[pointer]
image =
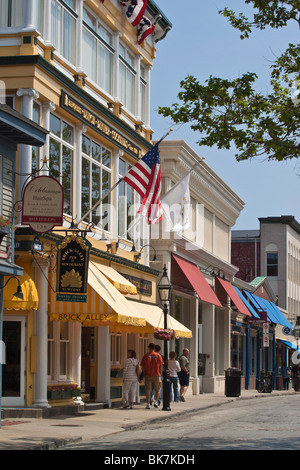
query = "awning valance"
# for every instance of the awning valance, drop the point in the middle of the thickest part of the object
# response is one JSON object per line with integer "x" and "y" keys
{"x": 105, "y": 304}
{"x": 119, "y": 281}
{"x": 154, "y": 316}
{"x": 235, "y": 298}
{"x": 188, "y": 275}
{"x": 30, "y": 295}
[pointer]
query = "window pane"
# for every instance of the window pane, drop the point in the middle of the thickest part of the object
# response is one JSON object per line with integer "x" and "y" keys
{"x": 67, "y": 133}
{"x": 54, "y": 125}
{"x": 95, "y": 192}
{"x": 67, "y": 177}
{"x": 86, "y": 144}
{"x": 56, "y": 25}
{"x": 89, "y": 47}
{"x": 85, "y": 190}
{"x": 54, "y": 157}
{"x": 272, "y": 264}
{"x": 96, "y": 151}
{"x": 106, "y": 158}
{"x": 104, "y": 68}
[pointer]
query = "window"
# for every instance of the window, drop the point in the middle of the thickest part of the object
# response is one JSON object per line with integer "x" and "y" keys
{"x": 96, "y": 182}
{"x": 125, "y": 203}
{"x": 58, "y": 347}
{"x": 39, "y": 16}
{"x": 97, "y": 57}
{"x": 11, "y": 13}
{"x": 61, "y": 157}
{"x": 143, "y": 86}
{"x": 127, "y": 79}
{"x": 272, "y": 264}
{"x": 116, "y": 350}
{"x": 63, "y": 28}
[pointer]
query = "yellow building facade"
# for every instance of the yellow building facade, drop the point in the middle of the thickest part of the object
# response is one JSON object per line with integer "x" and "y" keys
{"x": 81, "y": 71}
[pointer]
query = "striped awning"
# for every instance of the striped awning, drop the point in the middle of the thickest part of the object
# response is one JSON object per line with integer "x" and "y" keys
{"x": 30, "y": 295}
{"x": 119, "y": 281}
{"x": 105, "y": 304}
{"x": 154, "y": 317}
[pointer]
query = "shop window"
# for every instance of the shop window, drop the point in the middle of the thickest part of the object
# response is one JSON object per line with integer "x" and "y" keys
{"x": 143, "y": 345}
{"x": 116, "y": 350}
{"x": 237, "y": 351}
{"x": 11, "y": 13}
{"x": 272, "y": 264}
{"x": 97, "y": 57}
{"x": 127, "y": 76}
{"x": 96, "y": 182}
{"x": 63, "y": 350}
{"x": 63, "y": 28}
{"x": 126, "y": 209}
{"x": 61, "y": 153}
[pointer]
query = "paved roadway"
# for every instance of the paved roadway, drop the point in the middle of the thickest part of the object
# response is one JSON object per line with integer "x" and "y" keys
{"x": 265, "y": 424}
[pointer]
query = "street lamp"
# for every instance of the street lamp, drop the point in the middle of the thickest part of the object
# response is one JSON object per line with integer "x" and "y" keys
{"x": 164, "y": 291}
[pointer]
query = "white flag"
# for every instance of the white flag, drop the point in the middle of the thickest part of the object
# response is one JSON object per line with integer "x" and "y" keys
{"x": 176, "y": 204}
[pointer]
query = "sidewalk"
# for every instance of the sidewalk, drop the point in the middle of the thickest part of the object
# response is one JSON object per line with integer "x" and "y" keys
{"x": 56, "y": 432}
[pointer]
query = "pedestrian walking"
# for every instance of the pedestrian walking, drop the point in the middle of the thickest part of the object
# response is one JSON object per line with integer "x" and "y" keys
{"x": 174, "y": 368}
{"x": 286, "y": 375}
{"x": 130, "y": 379}
{"x": 184, "y": 374}
{"x": 152, "y": 363}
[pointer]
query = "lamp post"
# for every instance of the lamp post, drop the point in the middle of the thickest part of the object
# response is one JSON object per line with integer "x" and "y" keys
{"x": 164, "y": 291}
{"x": 19, "y": 295}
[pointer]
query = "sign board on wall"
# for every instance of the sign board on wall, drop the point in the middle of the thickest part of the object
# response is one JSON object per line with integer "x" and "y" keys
{"x": 42, "y": 204}
{"x": 72, "y": 269}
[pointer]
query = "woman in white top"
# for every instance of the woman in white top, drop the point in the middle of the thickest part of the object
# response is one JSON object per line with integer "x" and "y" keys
{"x": 173, "y": 367}
{"x": 130, "y": 380}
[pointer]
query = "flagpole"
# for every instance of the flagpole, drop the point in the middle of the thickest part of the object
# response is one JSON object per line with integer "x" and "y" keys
{"x": 114, "y": 186}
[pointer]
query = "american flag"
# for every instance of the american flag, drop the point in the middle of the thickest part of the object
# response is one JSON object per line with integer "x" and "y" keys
{"x": 145, "y": 178}
{"x": 134, "y": 10}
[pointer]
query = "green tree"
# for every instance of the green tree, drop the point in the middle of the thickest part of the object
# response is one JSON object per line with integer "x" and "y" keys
{"x": 227, "y": 112}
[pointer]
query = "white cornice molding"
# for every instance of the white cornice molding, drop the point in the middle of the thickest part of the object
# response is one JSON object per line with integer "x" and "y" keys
{"x": 177, "y": 157}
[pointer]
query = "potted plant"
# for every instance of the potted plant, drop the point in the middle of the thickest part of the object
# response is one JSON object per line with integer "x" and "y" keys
{"x": 5, "y": 226}
{"x": 165, "y": 334}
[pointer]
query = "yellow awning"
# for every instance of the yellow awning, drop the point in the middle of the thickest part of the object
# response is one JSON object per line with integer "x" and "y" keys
{"x": 119, "y": 281}
{"x": 30, "y": 295}
{"x": 154, "y": 317}
{"x": 105, "y": 305}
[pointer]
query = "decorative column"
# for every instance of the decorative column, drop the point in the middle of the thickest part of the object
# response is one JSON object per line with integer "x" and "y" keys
{"x": 40, "y": 385}
{"x": 75, "y": 327}
{"x": 28, "y": 14}
{"x": 194, "y": 346}
{"x": 27, "y": 96}
{"x": 208, "y": 318}
{"x": 103, "y": 365}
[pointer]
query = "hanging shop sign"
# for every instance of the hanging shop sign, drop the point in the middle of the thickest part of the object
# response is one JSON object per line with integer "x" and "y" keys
{"x": 88, "y": 117}
{"x": 42, "y": 204}
{"x": 72, "y": 269}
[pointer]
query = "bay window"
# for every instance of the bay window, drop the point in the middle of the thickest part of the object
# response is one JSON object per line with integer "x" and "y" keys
{"x": 96, "y": 182}
{"x": 97, "y": 57}
{"x": 127, "y": 75}
{"x": 11, "y": 13}
{"x": 61, "y": 153}
{"x": 63, "y": 28}
{"x": 125, "y": 203}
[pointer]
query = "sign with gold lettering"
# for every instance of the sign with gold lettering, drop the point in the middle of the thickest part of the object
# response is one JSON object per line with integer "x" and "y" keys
{"x": 72, "y": 268}
{"x": 42, "y": 204}
{"x": 94, "y": 121}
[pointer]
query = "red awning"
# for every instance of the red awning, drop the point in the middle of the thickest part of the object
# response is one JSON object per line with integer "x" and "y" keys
{"x": 193, "y": 279}
{"x": 234, "y": 296}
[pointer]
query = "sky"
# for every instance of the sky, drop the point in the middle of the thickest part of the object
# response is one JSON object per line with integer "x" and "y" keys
{"x": 203, "y": 43}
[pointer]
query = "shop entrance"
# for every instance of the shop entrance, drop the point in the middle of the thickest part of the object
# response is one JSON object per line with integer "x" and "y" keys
{"x": 13, "y": 369}
{"x": 88, "y": 366}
